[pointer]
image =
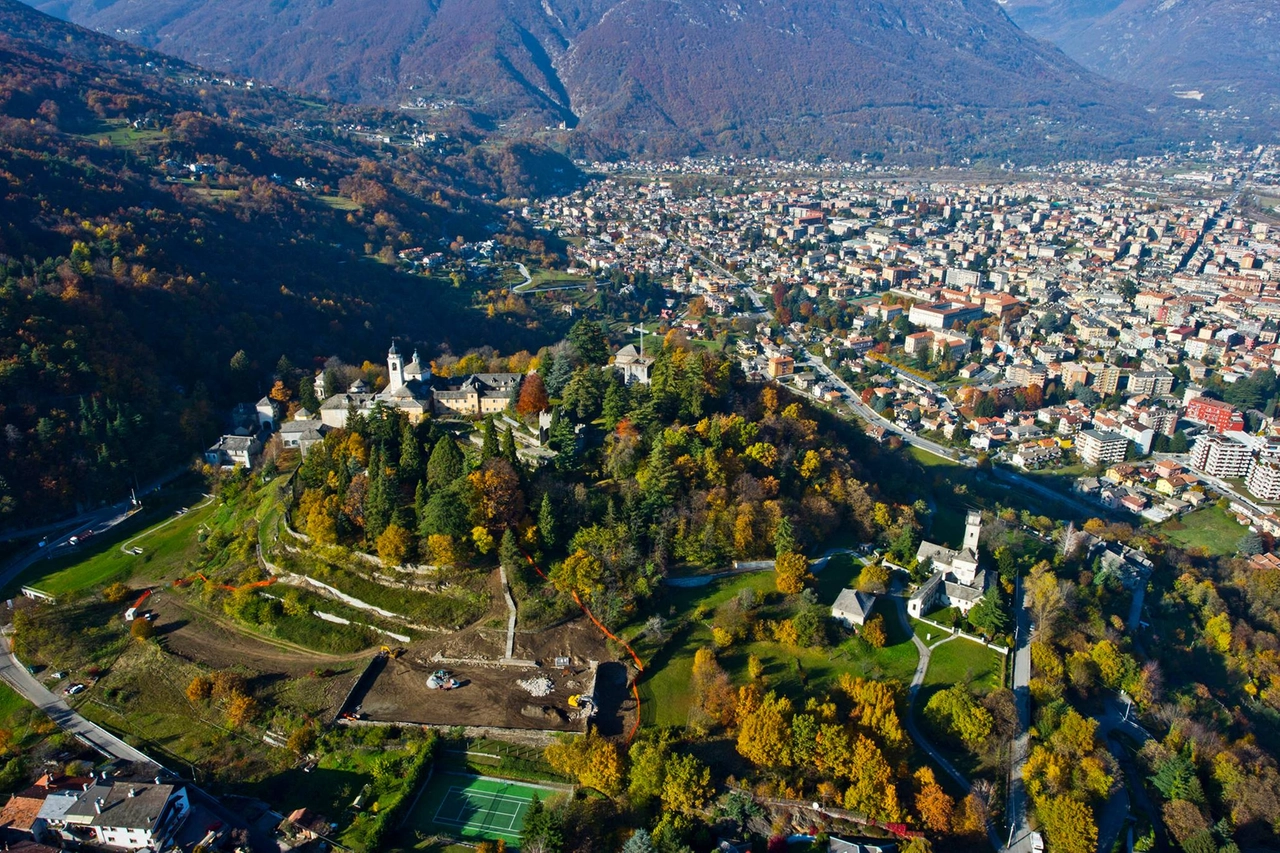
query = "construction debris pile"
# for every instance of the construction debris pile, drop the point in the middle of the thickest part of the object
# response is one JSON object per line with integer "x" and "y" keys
{"x": 540, "y": 686}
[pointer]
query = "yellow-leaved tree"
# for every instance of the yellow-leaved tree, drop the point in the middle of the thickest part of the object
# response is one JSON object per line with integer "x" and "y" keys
{"x": 764, "y": 736}
{"x": 592, "y": 760}
{"x": 792, "y": 572}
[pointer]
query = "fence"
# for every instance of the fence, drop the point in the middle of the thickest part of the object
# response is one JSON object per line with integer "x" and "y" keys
{"x": 973, "y": 638}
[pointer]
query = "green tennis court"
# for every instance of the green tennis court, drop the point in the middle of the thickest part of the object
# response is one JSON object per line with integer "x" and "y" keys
{"x": 475, "y": 807}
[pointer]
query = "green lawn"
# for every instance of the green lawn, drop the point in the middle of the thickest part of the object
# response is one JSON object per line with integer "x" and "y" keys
{"x": 21, "y": 718}
{"x": 121, "y": 134}
{"x": 338, "y": 202}
{"x": 1210, "y": 528}
{"x": 928, "y": 459}
{"x": 168, "y": 541}
{"x": 961, "y": 661}
{"x": 546, "y": 278}
{"x": 664, "y": 688}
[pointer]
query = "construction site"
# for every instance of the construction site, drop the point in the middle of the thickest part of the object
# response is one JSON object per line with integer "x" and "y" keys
{"x": 560, "y": 680}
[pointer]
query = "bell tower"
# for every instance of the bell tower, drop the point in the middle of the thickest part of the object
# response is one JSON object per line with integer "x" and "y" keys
{"x": 972, "y": 530}
{"x": 395, "y": 369}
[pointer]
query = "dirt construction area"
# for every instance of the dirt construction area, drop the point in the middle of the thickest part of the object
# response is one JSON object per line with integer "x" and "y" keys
{"x": 489, "y": 696}
{"x": 195, "y": 636}
{"x": 491, "y": 693}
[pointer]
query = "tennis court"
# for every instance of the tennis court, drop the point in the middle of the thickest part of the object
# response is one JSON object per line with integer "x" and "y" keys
{"x": 475, "y": 807}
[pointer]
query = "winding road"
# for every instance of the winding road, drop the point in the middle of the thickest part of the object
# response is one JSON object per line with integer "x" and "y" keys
{"x": 67, "y": 718}
{"x": 917, "y": 681}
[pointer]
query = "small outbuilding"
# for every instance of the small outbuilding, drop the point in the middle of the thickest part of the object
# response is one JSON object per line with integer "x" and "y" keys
{"x": 853, "y": 607}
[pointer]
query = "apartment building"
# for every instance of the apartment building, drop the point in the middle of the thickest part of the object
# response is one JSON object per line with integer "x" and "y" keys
{"x": 1100, "y": 447}
{"x": 1221, "y": 456}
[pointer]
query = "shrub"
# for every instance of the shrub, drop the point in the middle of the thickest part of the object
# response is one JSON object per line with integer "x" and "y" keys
{"x": 116, "y": 593}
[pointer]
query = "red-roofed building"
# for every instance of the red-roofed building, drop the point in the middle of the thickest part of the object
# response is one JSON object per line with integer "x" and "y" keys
{"x": 1221, "y": 416}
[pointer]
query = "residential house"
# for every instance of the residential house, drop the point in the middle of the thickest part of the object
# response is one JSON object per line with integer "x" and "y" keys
{"x": 232, "y": 451}
{"x": 127, "y": 815}
{"x": 302, "y": 434}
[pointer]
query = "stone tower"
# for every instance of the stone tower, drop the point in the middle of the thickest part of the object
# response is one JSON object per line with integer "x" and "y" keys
{"x": 972, "y": 530}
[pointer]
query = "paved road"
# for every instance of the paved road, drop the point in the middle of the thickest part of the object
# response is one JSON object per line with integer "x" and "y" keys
{"x": 1020, "y": 832}
{"x": 98, "y": 521}
{"x": 917, "y": 680}
{"x": 16, "y": 676}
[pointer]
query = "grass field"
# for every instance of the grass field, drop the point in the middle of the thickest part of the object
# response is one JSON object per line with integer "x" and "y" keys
{"x": 960, "y": 661}
{"x": 169, "y": 540}
{"x": 664, "y": 690}
{"x": 338, "y": 202}
{"x": 1210, "y": 528}
{"x": 121, "y": 134}
{"x": 930, "y": 460}
{"x": 474, "y": 808}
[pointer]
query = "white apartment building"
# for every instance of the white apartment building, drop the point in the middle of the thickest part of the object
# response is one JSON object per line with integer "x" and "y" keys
{"x": 1222, "y": 456}
{"x": 1100, "y": 447}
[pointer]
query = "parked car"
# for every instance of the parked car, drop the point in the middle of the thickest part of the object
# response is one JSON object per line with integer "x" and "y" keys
{"x": 74, "y": 689}
{"x": 58, "y": 675}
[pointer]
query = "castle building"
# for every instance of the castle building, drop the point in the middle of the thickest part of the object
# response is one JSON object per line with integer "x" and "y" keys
{"x": 957, "y": 580}
{"x": 412, "y": 389}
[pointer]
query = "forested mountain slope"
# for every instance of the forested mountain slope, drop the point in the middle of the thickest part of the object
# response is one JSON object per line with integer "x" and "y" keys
{"x": 919, "y": 79}
{"x": 1227, "y": 50}
{"x": 137, "y": 305}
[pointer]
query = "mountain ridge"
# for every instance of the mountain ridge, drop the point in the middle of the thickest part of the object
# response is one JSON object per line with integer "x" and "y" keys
{"x": 917, "y": 79}
{"x": 1227, "y": 50}
{"x": 157, "y": 255}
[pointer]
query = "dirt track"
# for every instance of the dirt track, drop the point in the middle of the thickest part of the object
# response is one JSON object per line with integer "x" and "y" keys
{"x": 193, "y": 635}
{"x": 197, "y": 636}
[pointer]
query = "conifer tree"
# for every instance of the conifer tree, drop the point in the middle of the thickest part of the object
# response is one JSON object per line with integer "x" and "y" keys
{"x": 547, "y": 524}
{"x": 509, "y": 448}
{"x": 489, "y": 447}
{"x": 445, "y": 465}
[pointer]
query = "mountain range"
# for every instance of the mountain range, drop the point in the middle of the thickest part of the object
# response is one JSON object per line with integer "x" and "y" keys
{"x": 910, "y": 79}
{"x": 1219, "y": 54}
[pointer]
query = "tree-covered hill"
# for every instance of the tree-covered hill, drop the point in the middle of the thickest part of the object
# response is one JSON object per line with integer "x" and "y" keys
{"x": 129, "y": 282}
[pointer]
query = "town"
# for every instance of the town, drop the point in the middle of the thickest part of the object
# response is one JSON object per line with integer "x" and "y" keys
{"x": 1104, "y": 322}
{"x": 938, "y": 453}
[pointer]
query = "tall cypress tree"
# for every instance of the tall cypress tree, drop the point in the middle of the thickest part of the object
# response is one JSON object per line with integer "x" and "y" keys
{"x": 509, "y": 448}
{"x": 379, "y": 503}
{"x": 489, "y": 448}
{"x": 410, "y": 455}
{"x": 445, "y": 465}
{"x": 547, "y": 524}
